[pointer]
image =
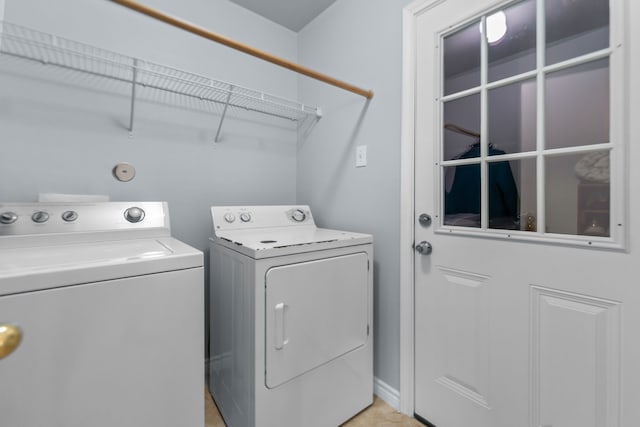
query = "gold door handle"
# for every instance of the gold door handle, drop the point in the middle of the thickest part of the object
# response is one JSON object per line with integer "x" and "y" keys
{"x": 10, "y": 337}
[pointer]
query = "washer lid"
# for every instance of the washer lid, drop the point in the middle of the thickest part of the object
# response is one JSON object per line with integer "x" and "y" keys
{"x": 278, "y": 241}
{"x": 43, "y": 267}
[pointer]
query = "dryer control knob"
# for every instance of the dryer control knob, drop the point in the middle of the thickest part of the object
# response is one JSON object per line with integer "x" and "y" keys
{"x": 8, "y": 217}
{"x": 134, "y": 214}
{"x": 298, "y": 215}
{"x": 40, "y": 217}
{"x": 229, "y": 217}
{"x": 245, "y": 217}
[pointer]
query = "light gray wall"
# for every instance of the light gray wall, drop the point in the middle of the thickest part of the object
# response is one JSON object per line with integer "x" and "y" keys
{"x": 359, "y": 41}
{"x": 63, "y": 132}
{"x": 59, "y": 136}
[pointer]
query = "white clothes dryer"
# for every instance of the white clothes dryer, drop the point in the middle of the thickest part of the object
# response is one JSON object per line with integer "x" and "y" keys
{"x": 291, "y": 318}
{"x": 101, "y": 317}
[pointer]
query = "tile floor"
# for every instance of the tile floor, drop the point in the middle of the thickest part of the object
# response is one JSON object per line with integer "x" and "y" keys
{"x": 377, "y": 415}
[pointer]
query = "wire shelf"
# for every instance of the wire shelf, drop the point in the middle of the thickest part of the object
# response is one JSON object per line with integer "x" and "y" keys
{"x": 29, "y": 44}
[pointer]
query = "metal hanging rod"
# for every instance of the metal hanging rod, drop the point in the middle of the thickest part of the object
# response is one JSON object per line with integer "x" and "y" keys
{"x": 242, "y": 47}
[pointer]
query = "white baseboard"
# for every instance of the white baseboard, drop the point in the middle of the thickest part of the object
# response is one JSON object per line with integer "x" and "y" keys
{"x": 384, "y": 391}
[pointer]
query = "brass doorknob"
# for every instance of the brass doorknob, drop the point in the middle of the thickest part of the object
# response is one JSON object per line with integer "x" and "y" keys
{"x": 10, "y": 337}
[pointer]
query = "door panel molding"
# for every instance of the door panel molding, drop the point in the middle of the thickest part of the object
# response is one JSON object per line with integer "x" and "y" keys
{"x": 465, "y": 370}
{"x": 463, "y": 390}
{"x": 575, "y": 359}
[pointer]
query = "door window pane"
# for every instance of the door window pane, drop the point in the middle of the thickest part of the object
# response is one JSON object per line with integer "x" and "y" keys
{"x": 462, "y": 195}
{"x": 577, "y": 194}
{"x": 577, "y": 105}
{"x": 515, "y": 52}
{"x": 512, "y": 195}
{"x": 461, "y": 51}
{"x": 572, "y": 113}
{"x": 574, "y": 28}
{"x": 512, "y": 117}
{"x": 461, "y": 127}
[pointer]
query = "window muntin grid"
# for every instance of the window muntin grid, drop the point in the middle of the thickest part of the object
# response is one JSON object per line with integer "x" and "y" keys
{"x": 532, "y": 143}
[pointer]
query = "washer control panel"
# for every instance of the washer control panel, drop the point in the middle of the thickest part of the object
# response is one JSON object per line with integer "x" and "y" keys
{"x": 246, "y": 217}
{"x": 50, "y": 218}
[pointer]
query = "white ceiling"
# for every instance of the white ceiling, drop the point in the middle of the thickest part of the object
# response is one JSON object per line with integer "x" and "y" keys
{"x": 293, "y": 14}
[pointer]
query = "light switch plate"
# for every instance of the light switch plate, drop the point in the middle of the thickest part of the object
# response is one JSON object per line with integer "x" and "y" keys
{"x": 361, "y": 156}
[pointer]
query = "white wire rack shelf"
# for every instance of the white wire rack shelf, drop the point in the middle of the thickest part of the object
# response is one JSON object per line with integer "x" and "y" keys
{"x": 25, "y": 43}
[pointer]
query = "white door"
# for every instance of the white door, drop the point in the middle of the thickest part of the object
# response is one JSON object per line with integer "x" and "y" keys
{"x": 527, "y": 307}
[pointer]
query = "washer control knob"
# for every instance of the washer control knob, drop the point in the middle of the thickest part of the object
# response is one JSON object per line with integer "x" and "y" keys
{"x": 298, "y": 215}
{"x": 134, "y": 214}
{"x": 40, "y": 217}
{"x": 69, "y": 216}
{"x": 245, "y": 217}
{"x": 229, "y": 217}
{"x": 8, "y": 217}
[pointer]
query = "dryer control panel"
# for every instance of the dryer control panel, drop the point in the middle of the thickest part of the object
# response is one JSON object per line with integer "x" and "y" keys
{"x": 249, "y": 217}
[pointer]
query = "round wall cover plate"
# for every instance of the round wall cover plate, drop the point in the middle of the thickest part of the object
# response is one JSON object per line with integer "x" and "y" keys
{"x": 124, "y": 172}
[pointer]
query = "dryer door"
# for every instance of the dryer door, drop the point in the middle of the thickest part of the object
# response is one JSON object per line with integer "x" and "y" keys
{"x": 315, "y": 312}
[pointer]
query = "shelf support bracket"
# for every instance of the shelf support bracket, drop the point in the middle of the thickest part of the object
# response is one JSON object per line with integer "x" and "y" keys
{"x": 224, "y": 113}
{"x": 134, "y": 83}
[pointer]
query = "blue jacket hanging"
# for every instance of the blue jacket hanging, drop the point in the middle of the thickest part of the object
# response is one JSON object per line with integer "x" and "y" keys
{"x": 464, "y": 196}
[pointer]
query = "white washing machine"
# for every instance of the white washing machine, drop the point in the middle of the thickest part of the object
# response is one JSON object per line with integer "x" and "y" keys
{"x": 101, "y": 317}
{"x": 291, "y": 319}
